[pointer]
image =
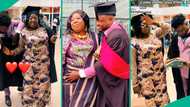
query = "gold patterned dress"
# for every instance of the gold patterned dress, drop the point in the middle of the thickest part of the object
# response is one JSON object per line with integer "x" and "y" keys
{"x": 36, "y": 80}
{"x": 151, "y": 73}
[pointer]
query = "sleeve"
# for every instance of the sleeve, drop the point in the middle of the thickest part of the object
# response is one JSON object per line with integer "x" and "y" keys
{"x": 162, "y": 30}
{"x": 173, "y": 51}
{"x": 21, "y": 45}
{"x": 119, "y": 44}
{"x": 20, "y": 27}
{"x": 65, "y": 45}
{"x": 19, "y": 24}
{"x": 135, "y": 82}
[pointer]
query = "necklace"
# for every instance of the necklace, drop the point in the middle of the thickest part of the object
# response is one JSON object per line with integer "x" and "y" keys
{"x": 82, "y": 36}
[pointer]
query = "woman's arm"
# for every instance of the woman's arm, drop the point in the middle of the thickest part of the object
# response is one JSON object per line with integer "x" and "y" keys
{"x": 134, "y": 71}
{"x": 21, "y": 46}
{"x": 162, "y": 29}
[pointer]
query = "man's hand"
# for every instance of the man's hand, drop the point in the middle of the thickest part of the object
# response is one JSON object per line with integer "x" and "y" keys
{"x": 8, "y": 52}
{"x": 72, "y": 76}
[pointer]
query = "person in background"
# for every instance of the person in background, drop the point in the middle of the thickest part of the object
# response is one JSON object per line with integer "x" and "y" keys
{"x": 9, "y": 41}
{"x": 180, "y": 48}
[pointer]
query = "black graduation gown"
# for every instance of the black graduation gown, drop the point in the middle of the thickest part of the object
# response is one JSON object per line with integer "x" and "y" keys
{"x": 7, "y": 79}
{"x": 51, "y": 48}
{"x": 113, "y": 91}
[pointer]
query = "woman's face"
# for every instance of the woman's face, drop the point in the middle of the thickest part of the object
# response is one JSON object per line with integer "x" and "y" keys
{"x": 145, "y": 27}
{"x": 33, "y": 21}
{"x": 77, "y": 23}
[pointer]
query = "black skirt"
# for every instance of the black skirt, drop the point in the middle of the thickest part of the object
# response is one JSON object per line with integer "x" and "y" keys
{"x": 7, "y": 79}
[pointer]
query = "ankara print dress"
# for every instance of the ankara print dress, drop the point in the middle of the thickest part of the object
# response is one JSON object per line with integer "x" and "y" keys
{"x": 77, "y": 54}
{"x": 36, "y": 80}
{"x": 151, "y": 73}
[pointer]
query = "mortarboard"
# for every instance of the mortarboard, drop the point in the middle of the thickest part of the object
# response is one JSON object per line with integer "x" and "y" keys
{"x": 29, "y": 10}
{"x": 105, "y": 8}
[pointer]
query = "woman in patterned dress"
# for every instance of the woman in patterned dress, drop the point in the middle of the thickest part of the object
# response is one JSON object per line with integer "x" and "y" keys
{"x": 36, "y": 81}
{"x": 78, "y": 47}
{"x": 149, "y": 73}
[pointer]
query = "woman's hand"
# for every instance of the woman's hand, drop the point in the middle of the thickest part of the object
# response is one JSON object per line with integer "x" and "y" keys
{"x": 148, "y": 20}
{"x": 72, "y": 76}
{"x": 53, "y": 39}
{"x": 8, "y": 52}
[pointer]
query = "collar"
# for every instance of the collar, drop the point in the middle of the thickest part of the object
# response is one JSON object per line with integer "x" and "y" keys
{"x": 113, "y": 26}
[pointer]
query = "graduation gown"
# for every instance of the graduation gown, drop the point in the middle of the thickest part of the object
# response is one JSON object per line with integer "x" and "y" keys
{"x": 113, "y": 91}
{"x": 8, "y": 79}
{"x": 51, "y": 48}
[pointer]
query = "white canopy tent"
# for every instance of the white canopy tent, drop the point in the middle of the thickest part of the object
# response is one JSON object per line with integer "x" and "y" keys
{"x": 161, "y": 11}
{"x": 41, "y": 3}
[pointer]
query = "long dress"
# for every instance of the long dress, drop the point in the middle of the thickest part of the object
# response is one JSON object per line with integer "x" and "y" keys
{"x": 76, "y": 55}
{"x": 36, "y": 80}
{"x": 151, "y": 73}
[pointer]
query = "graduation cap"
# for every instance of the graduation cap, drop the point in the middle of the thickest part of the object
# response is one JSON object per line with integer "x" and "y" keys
{"x": 105, "y": 8}
{"x": 31, "y": 10}
{"x": 28, "y": 11}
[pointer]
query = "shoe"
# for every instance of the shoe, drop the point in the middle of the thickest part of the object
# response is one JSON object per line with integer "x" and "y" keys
{"x": 8, "y": 101}
{"x": 20, "y": 88}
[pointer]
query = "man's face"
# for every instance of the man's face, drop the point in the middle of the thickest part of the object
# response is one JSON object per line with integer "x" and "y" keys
{"x": 181, "y": 30}
{"x": 104, "y": 22}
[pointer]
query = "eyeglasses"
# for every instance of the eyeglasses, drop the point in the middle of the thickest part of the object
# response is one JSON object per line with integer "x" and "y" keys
{"x": 143, "y": 25}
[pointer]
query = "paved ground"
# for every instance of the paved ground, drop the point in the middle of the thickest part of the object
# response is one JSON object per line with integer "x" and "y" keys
{"x": 56, "y": 87}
